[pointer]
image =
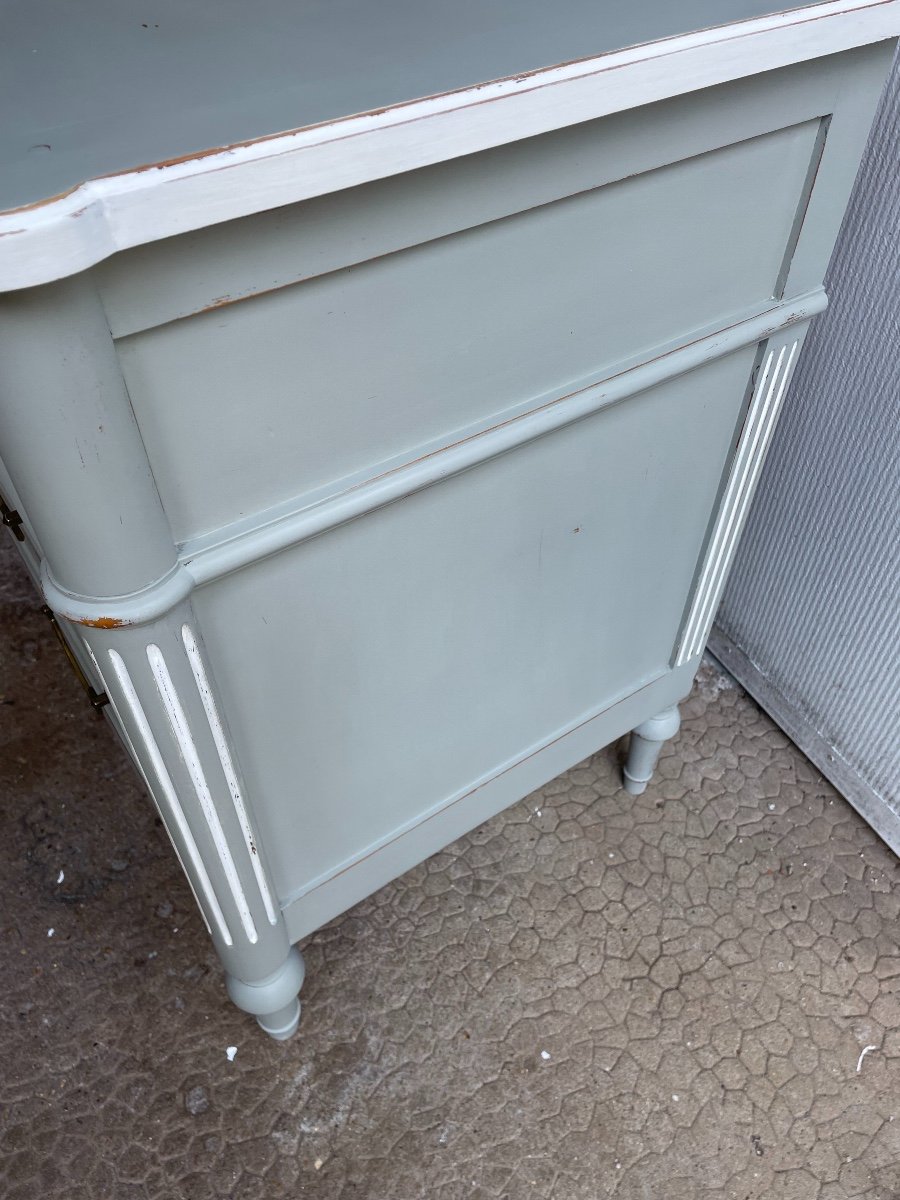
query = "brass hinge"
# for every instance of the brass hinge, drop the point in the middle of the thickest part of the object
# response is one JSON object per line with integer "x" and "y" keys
{"x": 97, "y": 699}
{"x": 11, "y": 519}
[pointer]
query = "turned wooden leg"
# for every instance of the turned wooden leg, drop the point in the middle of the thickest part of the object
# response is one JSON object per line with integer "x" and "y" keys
{"x": 646, "y": 744}
{"x": 273, "y": 1000}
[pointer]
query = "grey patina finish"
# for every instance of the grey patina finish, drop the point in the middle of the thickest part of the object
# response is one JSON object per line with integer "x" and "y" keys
{"x": 811, "y": 619}
{"x": 373, "y": 512}
{"x": 186, "y": 77}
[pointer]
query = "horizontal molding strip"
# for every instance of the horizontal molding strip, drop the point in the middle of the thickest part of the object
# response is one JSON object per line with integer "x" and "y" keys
{"x": 236, "y": 546}
{"x": 65, "y": 234}
{"x": 227, "y": 554}
{"x": 116, "y": 612}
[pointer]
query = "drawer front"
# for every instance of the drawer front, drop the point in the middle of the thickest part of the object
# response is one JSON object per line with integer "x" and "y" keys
{"x": 250, "y": 404}
{"x": 274, "y": 357}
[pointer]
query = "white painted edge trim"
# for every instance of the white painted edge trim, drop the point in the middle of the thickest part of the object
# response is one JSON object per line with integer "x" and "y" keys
{"x": 238, "y": 545}
{"x": 748, "y": 461}
{"x": 218, "y": 732}
{"x": 181, "y": 731}
{"x": 132, "y": 749}
{"x": 66, "y": 234}
{"x": 737, "y": 476}
{"x": 757, "y": 458}
{"x": 167, "y": 788}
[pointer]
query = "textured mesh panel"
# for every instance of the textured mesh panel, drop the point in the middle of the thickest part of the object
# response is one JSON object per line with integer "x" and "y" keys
{"x": 814, "y": 598}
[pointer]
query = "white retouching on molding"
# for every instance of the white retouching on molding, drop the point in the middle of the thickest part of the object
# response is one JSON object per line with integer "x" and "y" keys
{"x": 182, "y": 734}
{"x": 234, "y": 547}
{"x": 151, "y": 792}
{"x": 66, "y": 234}
{"x": 748, "y": 461}
{"x": 724, "y": 524}
{"x": 243, "y": 542}
{"x": 167, "y": 788}
{"x": 218, "y": 732}
{"x": 758, "y": 457}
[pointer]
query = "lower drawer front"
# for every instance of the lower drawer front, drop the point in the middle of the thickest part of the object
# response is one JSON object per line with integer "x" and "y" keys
{"x": 377, "y": 671}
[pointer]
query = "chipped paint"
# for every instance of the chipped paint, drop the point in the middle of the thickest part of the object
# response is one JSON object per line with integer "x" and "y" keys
{"x": 102, "y": 622}
{"x": 218, "y": 302}
{"x": 698, "y": 59}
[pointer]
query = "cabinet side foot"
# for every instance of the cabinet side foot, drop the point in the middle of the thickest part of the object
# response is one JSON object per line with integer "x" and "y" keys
{"x": 273, "y": 1000}
{"x": 646, "y": 744}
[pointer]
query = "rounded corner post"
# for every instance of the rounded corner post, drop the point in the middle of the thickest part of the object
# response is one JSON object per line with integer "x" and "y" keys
{"x": 77, "y": 460}
{"x": 72, "y": 445}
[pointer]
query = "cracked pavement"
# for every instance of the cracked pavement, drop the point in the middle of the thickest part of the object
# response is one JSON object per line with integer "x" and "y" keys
{"x": 591, "y": 995}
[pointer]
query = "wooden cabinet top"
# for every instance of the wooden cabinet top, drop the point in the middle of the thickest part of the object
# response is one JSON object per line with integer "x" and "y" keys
{"x": 126, "y": 122}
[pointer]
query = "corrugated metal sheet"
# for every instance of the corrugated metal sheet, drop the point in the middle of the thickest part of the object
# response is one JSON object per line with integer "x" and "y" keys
{"x": 810, "y": 621}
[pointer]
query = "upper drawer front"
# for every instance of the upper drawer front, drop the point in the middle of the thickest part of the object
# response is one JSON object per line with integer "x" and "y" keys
{"x": 413, "y": 312}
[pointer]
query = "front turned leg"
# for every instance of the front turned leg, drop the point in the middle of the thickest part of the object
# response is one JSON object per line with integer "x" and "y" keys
{"x": 273, "y": 1000}
{"x": 646, "y": 744}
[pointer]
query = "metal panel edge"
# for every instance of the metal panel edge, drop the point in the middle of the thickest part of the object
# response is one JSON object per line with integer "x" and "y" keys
{"x": 871, "y": 806}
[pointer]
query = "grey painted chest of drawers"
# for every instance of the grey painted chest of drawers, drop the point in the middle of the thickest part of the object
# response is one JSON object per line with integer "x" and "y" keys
{"x": 379, "y": 470}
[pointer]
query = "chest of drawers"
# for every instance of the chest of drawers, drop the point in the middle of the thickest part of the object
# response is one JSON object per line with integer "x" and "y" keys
{"x": 377, "y": 471}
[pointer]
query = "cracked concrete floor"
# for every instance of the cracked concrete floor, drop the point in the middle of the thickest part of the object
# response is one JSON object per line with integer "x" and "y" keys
{"x": 589, "y": 996}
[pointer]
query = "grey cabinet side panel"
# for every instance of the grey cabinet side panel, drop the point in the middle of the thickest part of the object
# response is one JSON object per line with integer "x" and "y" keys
{"x": 812, "y": 608}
